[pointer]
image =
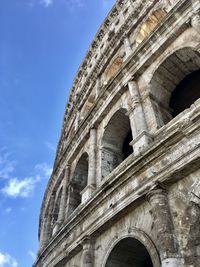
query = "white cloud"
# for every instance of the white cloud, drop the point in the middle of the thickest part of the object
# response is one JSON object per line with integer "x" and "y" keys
{"x": 20, "y": 188}
{"x": 24, "y": 188}
{"x": 6, "y": 165}
{"x": 46, "y": 3}
{"x": 15, "y": 186}
{"x": 44, "y": 169}
{"x": 6, "y": 260}
{"x": 32, "y": 254}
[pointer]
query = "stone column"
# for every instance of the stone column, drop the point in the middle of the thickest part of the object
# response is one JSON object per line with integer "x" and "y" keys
{"x": 62, "y": 210}
{"x": 87, "y": 192}
{"x": 46, "y": 225}
{"x": 164, "y": 228}
{"x": 98, "y": 87}
{"x": 88, "y": 253}
{"x": 141, "y": 137}
{"x": 77, "y": 120}
{"x": 195, "y": 22}
{"x": 127, "y": 47}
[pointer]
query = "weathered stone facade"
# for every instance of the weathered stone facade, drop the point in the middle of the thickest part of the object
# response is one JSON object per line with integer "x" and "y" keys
{"x": 125, "y": 189}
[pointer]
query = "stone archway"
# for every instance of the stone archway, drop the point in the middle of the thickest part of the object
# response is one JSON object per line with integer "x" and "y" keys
{"x": 170, "y": 85}
{"x": 116, "y": 142}
{"x": 186, "y": 93}
{"x": 129, "y": 252}
{"x": 78, "y": 183}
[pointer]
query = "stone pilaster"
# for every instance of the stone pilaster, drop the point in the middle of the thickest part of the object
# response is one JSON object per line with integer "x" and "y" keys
{"x": 195, "y": 22}
{"x": 127, "y": 47}
{"x": 46, "y": 224}
{"x": 62, "y": 211}
{"x": 87, "y": 192}
{"x": 191, "y": 222}
{"x": 87, "y": 253}
{"x": 77, "y": 120}
{"x": 164, "y": 228}
{"x": 98, "y": 87}
{"x": 141, "y": 137}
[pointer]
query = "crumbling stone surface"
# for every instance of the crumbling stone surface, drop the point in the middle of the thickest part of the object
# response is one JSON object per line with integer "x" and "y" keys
{"x": 125, "y": 188}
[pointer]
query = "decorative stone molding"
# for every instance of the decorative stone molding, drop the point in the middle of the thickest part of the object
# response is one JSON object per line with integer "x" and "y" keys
{"x": 137, "y": 234}
{"x": 195, "y": 22}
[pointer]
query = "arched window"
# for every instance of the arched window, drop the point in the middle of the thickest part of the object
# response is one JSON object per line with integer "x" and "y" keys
{"x": 56, "y": 210}
{"x": 116, "y": 142}
{"x": 129, "y": 252}
{"x": 78, "y": 183}
{"x": 186, "y": 93}
{"x": 175, "y": 84}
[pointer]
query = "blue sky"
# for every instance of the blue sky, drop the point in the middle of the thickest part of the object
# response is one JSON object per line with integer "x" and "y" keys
{"x": 42, "y": 43}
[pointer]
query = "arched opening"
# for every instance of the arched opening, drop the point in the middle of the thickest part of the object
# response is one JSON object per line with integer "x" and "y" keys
{"x": 186, "y": 93}
{"x": 175, "y": 84}
{"x": 129, "y": 252}
{"x": 78, "y": 182}
{"x": 116, "y": 142}
{"x": 56, "y": 208}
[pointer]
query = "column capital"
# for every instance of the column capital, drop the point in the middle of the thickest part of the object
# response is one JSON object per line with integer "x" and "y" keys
{"x": 157, "y": 192}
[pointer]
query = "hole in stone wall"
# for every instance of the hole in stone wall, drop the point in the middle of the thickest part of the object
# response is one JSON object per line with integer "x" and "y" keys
{"x": 129, "y": 252}
{"x": 186, "y": 93}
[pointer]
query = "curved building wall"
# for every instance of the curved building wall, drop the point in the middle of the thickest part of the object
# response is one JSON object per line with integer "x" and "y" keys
{"x": 126, "y": 174}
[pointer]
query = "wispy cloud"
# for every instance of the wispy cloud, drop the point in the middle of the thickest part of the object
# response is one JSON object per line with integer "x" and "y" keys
{"x": 49, "y": 3}
{"x": 72, "y": 3}
{"x": 32, "y": 254}
{"x": 50, "y": 146}
{"x": 44, "y": 169}
{"x": 7, "y": 261}
{"x": 6, "y": 164}
{"x": 21, "y": 187}
{"x": 46, "y": 3}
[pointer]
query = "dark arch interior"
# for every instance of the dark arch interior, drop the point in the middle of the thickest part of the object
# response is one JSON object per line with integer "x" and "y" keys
{"x": 79, "y": 182}
{"x": 129, "y": 252}
{"x": 57, "y": 207}
{"x": 186, "y": 93}
{"x": 127, "y": 149}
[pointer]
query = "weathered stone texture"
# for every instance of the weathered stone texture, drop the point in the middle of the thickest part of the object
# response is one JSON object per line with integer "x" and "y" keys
{"x": 125, "y": 189}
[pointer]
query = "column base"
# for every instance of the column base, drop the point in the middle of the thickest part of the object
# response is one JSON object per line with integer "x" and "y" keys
{"x": 141, "y": 142}
{"x": 87, "y": 193}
